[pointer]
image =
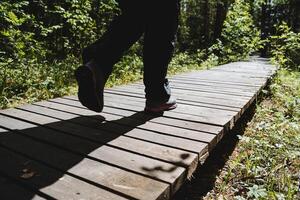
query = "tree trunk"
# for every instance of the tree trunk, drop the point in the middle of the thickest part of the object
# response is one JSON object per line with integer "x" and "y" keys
{"x": 263, "y": 27}
{"x": 221, "y": 11}
{"x": 218, "y": 21}
{"x": 206, "y": 26}
{"x": 296, "y": 20}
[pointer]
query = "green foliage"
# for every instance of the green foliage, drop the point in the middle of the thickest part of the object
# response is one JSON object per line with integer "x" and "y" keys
{"x": 28, "y": 81}
{"x": 240, "y": 37}
{"x": 285, "y": 47}
{"x": 183, "y": 62}
{"x": 15, "y": 43}
{"x": 40, "y": 42}
{"x": 129, "y": 69}
{"x": 265, "y": 163}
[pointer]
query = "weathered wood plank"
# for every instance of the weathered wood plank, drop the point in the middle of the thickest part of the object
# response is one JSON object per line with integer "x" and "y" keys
{"x": 124, "y": 153}
{"x": 204, "y": 133}
{"x": 214, "y": 81}
{"x": 133, "y": 161}
{"x": 238, "y": 110}
{"x": 200, "y": 114}
{"x": 90, "y": 120}
{"x": 10, "y": 190}
{"x": 220, "y": 90}
{"x": 185, "y": 99}
{"x": 182, "y": 92}
{"x": 119, "y": 141}
{"x": 52, "y": 183}
{"x": 235, "y": 102}
{"x": 110, "y": 96}
{"x": 75, "y": 129}
{"x": 215, "y": 84}
{"x": 94, "y": 172}
{"x": 212, "y": 116}
{"x": 167, "y": 120}
{"x": 238, "y": 102}
{"x": 224, "y": 76}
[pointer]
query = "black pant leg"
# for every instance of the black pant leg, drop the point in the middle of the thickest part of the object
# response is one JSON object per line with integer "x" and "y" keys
{"x": 123, "y": 31}
{"x": 160, "y": 33}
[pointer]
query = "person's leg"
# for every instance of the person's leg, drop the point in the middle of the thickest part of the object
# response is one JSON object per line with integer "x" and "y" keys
{"x": 160, "y": 33}
{"x": 122, "y": 33}
{"x": 99, "y": 58}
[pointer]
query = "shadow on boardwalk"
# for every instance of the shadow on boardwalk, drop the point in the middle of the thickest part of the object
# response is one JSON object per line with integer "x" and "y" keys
{"x": 38, "y": 156}
{"x": 205, "y": 176}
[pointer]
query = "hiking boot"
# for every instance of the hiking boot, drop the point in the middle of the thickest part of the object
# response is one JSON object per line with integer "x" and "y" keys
{"x": 90, "y": 87}
{"x": 158, "y": 107}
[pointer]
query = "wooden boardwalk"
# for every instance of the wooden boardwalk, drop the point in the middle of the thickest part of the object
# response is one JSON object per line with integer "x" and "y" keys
{"x": 57, "y": 149}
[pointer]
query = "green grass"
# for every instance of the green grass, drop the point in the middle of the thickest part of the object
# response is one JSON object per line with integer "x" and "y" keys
{"x": 27, "y": 81}
{"x": 266, "y": 161}
{"x": 30, "y": 81}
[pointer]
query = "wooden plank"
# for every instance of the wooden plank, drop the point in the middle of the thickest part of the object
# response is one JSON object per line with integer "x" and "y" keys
{"x": 94, "y": 172}
{"x": 219, "y": 90}
{"x": 248, "y": 67}
{"x": 172, "y": 121}
{"x": 51, "y": 182}
{"x": 192, "y": 96}
{"x": 10, "y": 190}
{"x": 187, "y": 96}
{"x": 212, "y": 116}
{"x": 90, "y": 121}
{"x": 202, "y": 114}
{"x": 248, "y": 71}
{"x": 185, "y": 99}
{"x": 228, "y": 77}
{"x": 135, "y": 162}
{"x": 239, "y": 106}
{"x": 204, "y": 133}
{"x": 237, "y": 71}
{"x": 234, "y": 69}
{"x": 214, "y": 81}
{"x": 236, "y": 103}
{"x": 144, "y": 156}
{"x": 214, "y": 87}
{"x": 223, "y": 75}
{"x": 215, "y": 84}
{"x": 88, "y": 142}
{"x": 183, "y": 92}
{"x": 207, "y": 83}
{"x": 75, "y": 129}
{"x": 110, "y": 96}
{"x": 203, "y": 137}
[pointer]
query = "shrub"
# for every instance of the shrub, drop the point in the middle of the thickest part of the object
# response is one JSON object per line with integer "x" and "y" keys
{"x": 240, "y": 37}
{"x": 285, "y": 47}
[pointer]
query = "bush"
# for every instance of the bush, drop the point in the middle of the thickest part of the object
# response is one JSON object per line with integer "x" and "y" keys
{"x": 29, "y": 80}
{"x": 240, "y": 37}
{"x": 285, "y": 47}
{"x": 40, "y": 42}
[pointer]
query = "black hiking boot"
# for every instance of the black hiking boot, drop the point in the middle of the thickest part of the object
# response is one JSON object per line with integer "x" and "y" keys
{"x": 90, "y": 88}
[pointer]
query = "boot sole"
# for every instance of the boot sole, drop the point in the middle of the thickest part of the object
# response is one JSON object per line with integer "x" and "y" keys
{"x": 86, "y": 90}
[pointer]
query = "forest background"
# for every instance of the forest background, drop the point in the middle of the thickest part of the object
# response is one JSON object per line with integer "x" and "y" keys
{"x": 41, "y": 40}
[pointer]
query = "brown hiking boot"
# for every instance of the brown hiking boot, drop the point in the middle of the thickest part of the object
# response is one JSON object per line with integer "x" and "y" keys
{"x": 158, "y": 107}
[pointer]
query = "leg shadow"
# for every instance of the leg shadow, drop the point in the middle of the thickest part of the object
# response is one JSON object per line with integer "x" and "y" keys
{"x": 35, "y": 156}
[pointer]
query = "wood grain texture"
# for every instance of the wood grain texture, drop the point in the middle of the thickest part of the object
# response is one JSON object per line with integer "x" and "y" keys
{"x": 59, "y": 149}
